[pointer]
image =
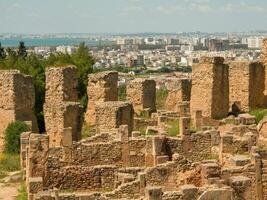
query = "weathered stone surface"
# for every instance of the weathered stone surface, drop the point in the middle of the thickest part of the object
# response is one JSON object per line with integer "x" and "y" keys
{"x": 246, "y": 82}
{"x": 17, "y": 100}
{"x": 101, "y": 87}
{"x": 210, "y": 88}
{"x": 61, "y": 108}
{"x": 142, "y": 94}
{"x": 179, "y": 90}
{"x": 110, "y": 115}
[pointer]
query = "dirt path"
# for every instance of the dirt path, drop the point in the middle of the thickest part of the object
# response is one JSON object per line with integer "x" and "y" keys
{"x": 9, "y": 191}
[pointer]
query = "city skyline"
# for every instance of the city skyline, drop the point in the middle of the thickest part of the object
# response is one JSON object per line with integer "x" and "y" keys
{"x": 131, "y": 16}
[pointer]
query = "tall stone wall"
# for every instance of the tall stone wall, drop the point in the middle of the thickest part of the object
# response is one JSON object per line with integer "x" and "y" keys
{"x": 210, "y": 87}
{"x": 101, "y": 87}
{"x": 264, "y": 62}
{"x": 246, "y": 86}
{"x": 179, "y": 90}
{"x": 110, "y": 115}
{"x": 142, "y": 94}
{"x": 62, "y": 110}
{"x": 17, "y": 100}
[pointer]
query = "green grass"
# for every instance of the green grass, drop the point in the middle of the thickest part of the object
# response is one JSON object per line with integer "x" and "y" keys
{"x": 161, "y": 97}
{"x": 122, "y": 93}
{"x": 22, "y": 192}
{"x": 259, "y": 114}
{"x": 174, "y": 128}
{"x": 9, "y": 162}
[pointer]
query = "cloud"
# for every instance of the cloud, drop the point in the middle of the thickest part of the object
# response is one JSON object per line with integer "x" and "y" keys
{"x": 243, "y": 7}
{"x": 169, "y": 9}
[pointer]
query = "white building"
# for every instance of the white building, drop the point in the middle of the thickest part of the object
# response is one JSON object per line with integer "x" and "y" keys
{"x": 66, "y": 49}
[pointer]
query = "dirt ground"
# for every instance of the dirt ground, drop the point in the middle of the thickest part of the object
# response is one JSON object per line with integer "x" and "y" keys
{"x": 8, "y": 191}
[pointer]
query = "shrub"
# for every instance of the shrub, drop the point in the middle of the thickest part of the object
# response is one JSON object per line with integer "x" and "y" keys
{"x": 122, "y": 93}
{"x": 12, "y": 136}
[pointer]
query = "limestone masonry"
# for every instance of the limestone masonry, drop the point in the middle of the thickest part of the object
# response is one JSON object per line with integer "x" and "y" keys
{"x": 203, "y": 145}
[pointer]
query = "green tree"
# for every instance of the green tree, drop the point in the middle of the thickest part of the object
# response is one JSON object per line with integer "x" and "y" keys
{"x": 84, "y": 63}
{"x": 12, "y": 136}
{"x": 2, "y": 52}
{"x": 22, "y": 51}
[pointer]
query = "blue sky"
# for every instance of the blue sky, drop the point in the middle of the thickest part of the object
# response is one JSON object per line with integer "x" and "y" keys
{"x": 127, "y": 16}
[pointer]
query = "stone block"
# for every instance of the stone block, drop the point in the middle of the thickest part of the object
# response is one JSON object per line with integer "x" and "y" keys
{"x": 153, "y": 193}
{"x": 35, "y": 185}
{"x": 110, "y": 115}
{"x": 247, "y": 119}
{"x": 240, "y": 160}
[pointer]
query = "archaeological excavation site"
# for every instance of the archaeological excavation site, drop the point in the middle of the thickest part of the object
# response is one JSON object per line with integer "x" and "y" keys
{"x": 203, "y": 143}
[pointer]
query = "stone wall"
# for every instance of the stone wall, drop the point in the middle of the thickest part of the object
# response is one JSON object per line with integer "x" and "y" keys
{"x": 16, "y": 101}
{"x": 210, "y": 87}
{"x": 110, "y": 115}
{"x": 246, "y": 86}
{"x": 179, "y": 90}
{"x": 101, "y": 87}
{"x": 142, "y": 94}
{"x": 61, "y": 109}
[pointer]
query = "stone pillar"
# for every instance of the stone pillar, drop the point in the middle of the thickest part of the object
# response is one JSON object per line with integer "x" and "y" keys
{"x": 184, "y": 126}
{"x": 179, "y": 91}
{"x": 24, "y": 144}
{"x": 124, "y": 137}
{"x": 210, "y": 88}
{"x": 153, "y": 193}
{"x": 62, "y": 109}
{"x": 101, "y": 87}
{"x": 209, "y": 172}
{"x": 154, "y": 148}
{"x": 142, "y": 94}
{"x": 17, "y": 100}
{"x": 110, "y": 115}
{"x": 256, "y": 160}
{"x": 197, "y": 120}
{"x": 37, "y": 156}
{"x": 246, "y": 86}
{"x": 183, "y": 109}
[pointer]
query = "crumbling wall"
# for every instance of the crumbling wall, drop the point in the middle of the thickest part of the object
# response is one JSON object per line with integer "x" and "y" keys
{"x": 110, "y": 115}
{"x": 179, "y": 90}
{"x": 142, "y": 94}
{"x": 61, "y": 109}
{"x": 246, "y": 86}
{"x": 101, "y": 87}
{"x": 16, "y": 101}
{"x": 210, "y": 88}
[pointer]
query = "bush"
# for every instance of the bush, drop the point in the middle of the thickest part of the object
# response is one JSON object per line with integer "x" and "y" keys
{"x": 12, "y": 136}
{"x": 122, "y": 93}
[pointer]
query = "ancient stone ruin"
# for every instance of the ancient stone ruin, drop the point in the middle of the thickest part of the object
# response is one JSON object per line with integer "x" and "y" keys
{"x": 17, "y": 98}
{"x": 62, "y": 111}
{"x": 142, "y": 94}
{"x": 102, "y": 87}
{"x": 211, "y": 154}
{"x": 246, "y": 86}
{"x": 210, "y": 87}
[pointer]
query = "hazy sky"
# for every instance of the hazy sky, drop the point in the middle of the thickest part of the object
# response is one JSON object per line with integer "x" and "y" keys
{"x": 125, "y": 16}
